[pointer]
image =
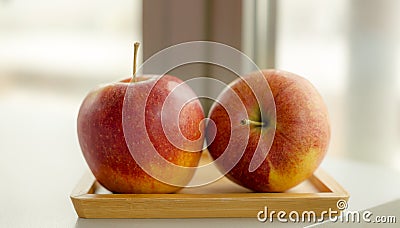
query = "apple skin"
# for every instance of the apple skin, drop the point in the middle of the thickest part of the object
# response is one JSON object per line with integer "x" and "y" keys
{"x": 301, "y": 138}
{"x": 102, "y": 139}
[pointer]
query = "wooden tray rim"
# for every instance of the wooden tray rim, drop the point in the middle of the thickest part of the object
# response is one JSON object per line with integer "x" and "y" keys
{"x": 83, "y": 194}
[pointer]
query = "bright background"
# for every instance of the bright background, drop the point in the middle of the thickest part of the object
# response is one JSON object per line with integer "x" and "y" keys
{"x": 53, "y": 52}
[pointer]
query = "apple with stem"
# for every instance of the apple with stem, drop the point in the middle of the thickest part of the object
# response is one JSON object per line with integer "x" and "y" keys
{"x": 300, "y": 131}
{"x": 106, "y": 148}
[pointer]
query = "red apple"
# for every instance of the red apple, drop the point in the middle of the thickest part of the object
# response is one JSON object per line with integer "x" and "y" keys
{"x": 301, "y": 137}
{"x": 104, "y": 144}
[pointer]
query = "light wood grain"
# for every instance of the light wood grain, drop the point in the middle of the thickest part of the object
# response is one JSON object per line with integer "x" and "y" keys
{"x": 220, "y": 199}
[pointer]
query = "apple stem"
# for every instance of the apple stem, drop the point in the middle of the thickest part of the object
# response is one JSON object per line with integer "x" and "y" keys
{"x": 136, "y": 47}
{"x": 251, "y": 122}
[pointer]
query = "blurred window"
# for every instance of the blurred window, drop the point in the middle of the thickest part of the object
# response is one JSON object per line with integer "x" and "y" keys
{"x": 68, "y": 39}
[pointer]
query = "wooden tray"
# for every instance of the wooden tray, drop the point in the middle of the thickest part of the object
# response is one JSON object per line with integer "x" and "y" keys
{"x": 219, "y": 199}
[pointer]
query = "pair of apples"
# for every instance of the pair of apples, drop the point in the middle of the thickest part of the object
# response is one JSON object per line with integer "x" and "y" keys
{"x": 301, "y": 133}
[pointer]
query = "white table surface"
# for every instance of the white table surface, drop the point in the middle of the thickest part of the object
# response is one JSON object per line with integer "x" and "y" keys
{"x": 41, "y": 163}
